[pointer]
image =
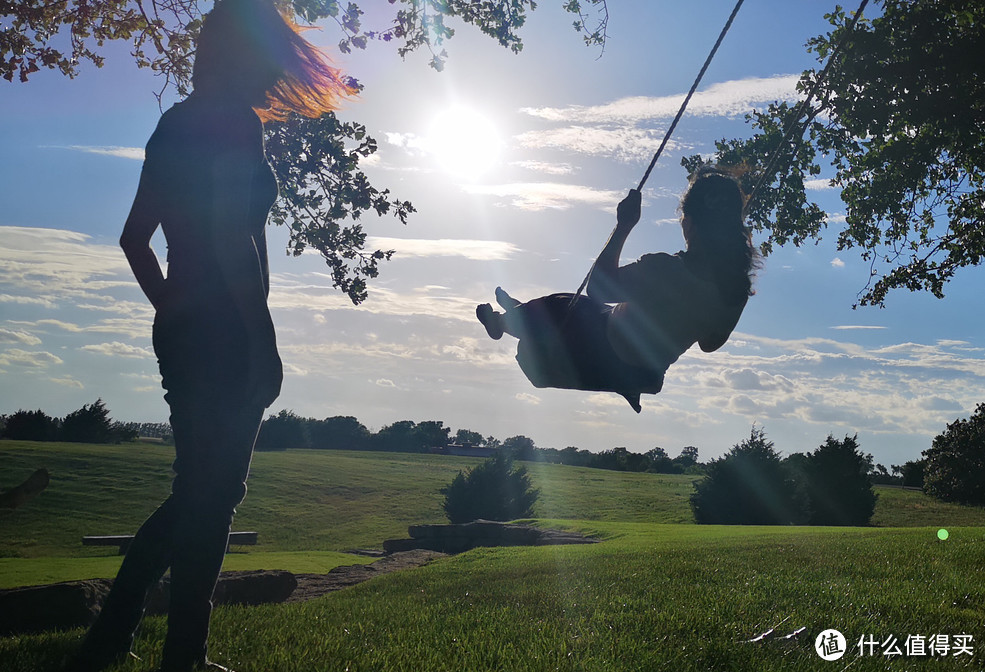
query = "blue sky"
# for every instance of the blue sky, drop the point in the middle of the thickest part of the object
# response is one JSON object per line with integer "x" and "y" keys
{"x": 564, "y": 134}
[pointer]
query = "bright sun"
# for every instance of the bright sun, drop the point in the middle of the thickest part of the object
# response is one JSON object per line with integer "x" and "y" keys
{"x": 464, "y": 142}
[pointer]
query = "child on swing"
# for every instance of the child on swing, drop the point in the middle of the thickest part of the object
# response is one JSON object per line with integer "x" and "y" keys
{"x": 639, "y": 319}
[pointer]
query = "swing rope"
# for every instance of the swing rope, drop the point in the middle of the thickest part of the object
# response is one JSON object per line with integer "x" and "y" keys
{"x": 794, "y": 120}
{"x": 673, "y": 125}
{"x": 687, "y": 99}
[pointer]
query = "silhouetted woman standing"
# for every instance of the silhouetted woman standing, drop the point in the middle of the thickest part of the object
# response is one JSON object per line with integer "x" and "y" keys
{"x": 206, "y": 183}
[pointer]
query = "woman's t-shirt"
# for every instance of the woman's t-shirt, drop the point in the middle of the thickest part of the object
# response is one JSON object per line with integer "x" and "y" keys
{"x": 666, "y": 309}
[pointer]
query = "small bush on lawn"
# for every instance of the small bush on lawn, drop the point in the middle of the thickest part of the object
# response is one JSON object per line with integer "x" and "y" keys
{"x": 493, "y": 490}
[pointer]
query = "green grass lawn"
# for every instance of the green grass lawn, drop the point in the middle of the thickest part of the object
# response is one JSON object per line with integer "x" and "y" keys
{"x": 651, "y": 597}
{"x": 654, "y": 595}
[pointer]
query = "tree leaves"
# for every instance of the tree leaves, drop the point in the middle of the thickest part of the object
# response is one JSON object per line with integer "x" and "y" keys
{"x": 900, "y": 121}
{"x": 318, "y": 161}
{"x": 323, "y": 193}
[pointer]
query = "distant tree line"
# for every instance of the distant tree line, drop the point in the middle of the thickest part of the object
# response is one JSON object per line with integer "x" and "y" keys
{"x": 89, "y": 424}
{"x": 800, "y": 485}
{"x": 287, "y": 430}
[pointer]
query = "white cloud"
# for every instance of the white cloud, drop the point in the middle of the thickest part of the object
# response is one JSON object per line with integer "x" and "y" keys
{"x": 528, "y": 398}
{"x": 631, "y": 129}
{"x": 543, "y": 195}
{"x": 545, "y": 167}
{"x": 950, "y": 343}
{"x": 22, "y": 337}
{"x": 818, "y": 185}
{"x": 477, "y": 250}
{"x": 724, "y": 99}
{"x": 68, "y": 381}
{"x": 837, "y": 263}
{"x": 18, "y": 357}
{"x": 117, "y": 349}
{"x": 413, "y": 144}
{"x": 911, "y": 389}
{"x": 133, "y": 153}
{"x": 623, "y": 143}
{"x": 382, "y": 301}
{"x": 43, "y": 266}
{"x": 27, "y": 300}
{"x": 132, "y": 327}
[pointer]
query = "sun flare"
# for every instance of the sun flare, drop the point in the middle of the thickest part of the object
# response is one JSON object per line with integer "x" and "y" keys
{"x": 465, "y": 143}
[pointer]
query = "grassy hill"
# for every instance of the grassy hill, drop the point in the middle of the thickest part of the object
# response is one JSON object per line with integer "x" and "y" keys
{"x": 297, "y": 500}
{"x": 339, "y": 500}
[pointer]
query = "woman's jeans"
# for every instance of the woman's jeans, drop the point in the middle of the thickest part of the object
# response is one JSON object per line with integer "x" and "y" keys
{"x": 204, "y": 367}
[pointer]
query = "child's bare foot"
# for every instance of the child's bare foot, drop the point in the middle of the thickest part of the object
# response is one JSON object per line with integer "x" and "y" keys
{"x": 505, "y": 300}
{"x": 491, "y": 320}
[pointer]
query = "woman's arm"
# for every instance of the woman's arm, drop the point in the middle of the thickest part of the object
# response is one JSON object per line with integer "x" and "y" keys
{"x": 604, "y": 283}
{"x": 141, "y": 223}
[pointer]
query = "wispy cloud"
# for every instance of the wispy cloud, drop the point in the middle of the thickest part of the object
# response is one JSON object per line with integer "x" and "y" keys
{"x": 56, "y": 263}
{"x": 849, "y": 327}
{"x": 724, "y": 99}
{"x": 546, "y": 167}
{"x": 117, "y": 349}
{"x": 630, "y": 129}
{"x": 548, "y": 195}
{"x": 68, "y": 381}
{"x": 18, "y": 357}
{"x": 431, "y": 301}
{"x": 133, "y": 153}
{"x": 903, "y": 388}
{"x": 818, "y": 185}
{"x": 623, "y": 143}
{"x": 477, "y": 250}
{"x": 413, "y": 144}
{"x": 22, "y": 337}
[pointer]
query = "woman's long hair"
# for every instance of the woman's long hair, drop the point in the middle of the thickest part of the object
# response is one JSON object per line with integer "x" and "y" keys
{"x": 251, "y": 50}
{"x": 719, "y": 240}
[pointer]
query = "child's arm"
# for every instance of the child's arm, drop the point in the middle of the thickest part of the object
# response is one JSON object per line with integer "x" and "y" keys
{"x": 604, "y": 284}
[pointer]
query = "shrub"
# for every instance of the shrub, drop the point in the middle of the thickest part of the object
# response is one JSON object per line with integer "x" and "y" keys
{"x": 31, "y": 426}
{"x": 282, "y": 431}
{"x": 955, "y": 463}
{"x": 493, "y": 490}
{"x": 89, "y": 424}
{"x": 838, "y": 484}
{"x": 340, "y": 432}
{"x": 912, "y": 472}
{"x": 748, "y": 486}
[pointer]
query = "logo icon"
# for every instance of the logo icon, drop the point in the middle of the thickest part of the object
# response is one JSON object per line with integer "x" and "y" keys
{"x": 830, "y": 645}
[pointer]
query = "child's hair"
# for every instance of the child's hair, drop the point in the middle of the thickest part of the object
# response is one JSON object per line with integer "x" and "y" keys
{"x": 250, "y": 48}
{"x": 719, "y": 238}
